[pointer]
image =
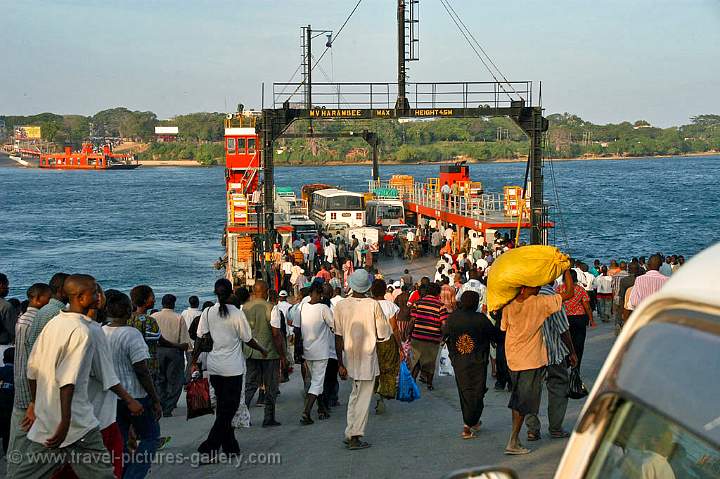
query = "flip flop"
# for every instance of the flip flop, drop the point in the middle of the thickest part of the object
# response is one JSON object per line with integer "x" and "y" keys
{"x": 559, "y": 434}
{"x": 468, "y": 435}
{"x": 517, "y": 451}
{"x": 531, "y": 436}
{"x": 306, "y": 421}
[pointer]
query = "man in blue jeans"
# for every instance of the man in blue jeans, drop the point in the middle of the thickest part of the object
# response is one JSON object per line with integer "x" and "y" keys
{"x": 129, "y": 354}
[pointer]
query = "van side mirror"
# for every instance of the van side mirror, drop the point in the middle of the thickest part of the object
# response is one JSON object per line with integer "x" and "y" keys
{"x": 483, "y": 472}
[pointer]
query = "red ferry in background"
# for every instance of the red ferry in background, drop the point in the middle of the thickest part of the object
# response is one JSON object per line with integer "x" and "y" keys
{"x": 88, "y": 159}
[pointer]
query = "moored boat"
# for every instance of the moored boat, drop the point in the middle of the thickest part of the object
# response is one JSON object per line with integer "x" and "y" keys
{"x": 88, "y": 159}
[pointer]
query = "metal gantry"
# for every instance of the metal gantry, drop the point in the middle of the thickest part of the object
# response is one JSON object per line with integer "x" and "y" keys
{"x": 392, "y": 101}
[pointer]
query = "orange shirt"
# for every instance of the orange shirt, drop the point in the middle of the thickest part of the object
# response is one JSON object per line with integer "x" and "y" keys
{"x": 522, "y": 322}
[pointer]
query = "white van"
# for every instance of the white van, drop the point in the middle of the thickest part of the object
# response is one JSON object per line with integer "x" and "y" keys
{"x": 654, "y": 410}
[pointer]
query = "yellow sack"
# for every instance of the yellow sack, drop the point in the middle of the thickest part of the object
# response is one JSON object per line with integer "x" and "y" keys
{"x": 534, "y": 265}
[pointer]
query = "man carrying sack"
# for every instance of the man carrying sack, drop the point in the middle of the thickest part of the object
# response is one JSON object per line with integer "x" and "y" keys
{"x": 520, "y": 273}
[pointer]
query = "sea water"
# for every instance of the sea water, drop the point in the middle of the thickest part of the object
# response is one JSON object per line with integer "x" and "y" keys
{"x": 162, "y": 226}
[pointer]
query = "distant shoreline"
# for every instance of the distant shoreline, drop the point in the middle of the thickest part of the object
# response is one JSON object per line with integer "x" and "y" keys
{"x": 6, "y": 162}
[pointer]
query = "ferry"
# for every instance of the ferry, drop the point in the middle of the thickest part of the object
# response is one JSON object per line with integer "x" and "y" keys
{"x": 88, "y": 159}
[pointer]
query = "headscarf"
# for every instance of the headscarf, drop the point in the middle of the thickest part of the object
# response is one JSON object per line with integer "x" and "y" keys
{"x": 447, "y": 296}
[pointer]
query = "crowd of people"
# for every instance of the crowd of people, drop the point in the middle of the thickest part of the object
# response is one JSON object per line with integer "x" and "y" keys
{"x": 87, "y": 370}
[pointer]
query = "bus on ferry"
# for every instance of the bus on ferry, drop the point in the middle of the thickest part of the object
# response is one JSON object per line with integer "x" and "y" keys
{"x": 334, "y": 209}
{"x": 384, "y": 212}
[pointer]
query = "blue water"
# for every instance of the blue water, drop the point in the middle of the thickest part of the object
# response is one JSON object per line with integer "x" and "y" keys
{"x": 162, "y": 226}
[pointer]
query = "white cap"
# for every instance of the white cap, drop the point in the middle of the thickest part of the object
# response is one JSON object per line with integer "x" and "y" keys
{"x": 283, "y": 294}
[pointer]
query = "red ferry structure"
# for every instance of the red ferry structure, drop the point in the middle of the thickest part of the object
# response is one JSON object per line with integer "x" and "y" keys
{"x": 466, "y": 206}
{"x": 88, "y": 159}
{"x": 244, "y": 199}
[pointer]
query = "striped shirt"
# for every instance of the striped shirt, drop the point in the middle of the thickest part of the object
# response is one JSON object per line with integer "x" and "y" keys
{"x": 553, "y": 327}
{"x": 427, "y": 317}
{"x": 616, "y": 285}
{"x": 646, "y": 285}
{"x": 127, "y": 348}
{"x": 22, "y": 352}
{"x": 44, "y": 315}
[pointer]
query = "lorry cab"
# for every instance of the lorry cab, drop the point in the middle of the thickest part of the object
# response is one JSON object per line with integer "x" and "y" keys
{"x": 654, "y": 410}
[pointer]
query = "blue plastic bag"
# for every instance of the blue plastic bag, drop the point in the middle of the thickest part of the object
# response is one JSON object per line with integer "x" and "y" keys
{"x": 408, "y": 390}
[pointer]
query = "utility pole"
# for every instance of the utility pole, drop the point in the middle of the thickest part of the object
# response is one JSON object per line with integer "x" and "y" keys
{"x": 407, "y": 48}
{"x": 308, "y": 67}
{"x": 402, "y": 103}
{"x": 537, "y": 126}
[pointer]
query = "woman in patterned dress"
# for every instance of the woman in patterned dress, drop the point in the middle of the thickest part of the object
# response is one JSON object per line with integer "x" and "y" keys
{"x": 468, "y": 335}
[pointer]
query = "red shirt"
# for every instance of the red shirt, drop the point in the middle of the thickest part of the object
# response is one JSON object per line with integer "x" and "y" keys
{"x": 324, "y": 275}
{"x": 414, "y": 296}
{"x": 574, "y": 305}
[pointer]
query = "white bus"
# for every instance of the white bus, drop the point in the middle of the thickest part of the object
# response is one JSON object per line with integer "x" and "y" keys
{"x": 337, "y": 209}
{"x": 384, "y": 212}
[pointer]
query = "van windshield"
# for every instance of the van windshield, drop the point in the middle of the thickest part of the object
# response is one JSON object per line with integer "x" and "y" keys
{"x": 390, "y": 212}
{"x": 640, "y": 443}
{"x": 347, "y": 203}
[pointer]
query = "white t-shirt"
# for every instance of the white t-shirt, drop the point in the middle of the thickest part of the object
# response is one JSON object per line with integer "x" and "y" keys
{"x": 61, "y": 356}
{"x": 316, "y": 323}
{"x": 410, "y": 235}
{"x": 445, "y": 189}
{"x": 361, "y": 322}
{"x": 287, "y": 267}
{"x": 334, "y": 301}
{"x": 449, "y": 234}
{"x": 473, "y": 285}
{"x": 275, "y": 318}
{"x": 389, "y": 309}
{"x": 127, "y": 347}
{"x": 228, "y": 333}
{"x": 102, "y": 378}
{"x": 189, "y": 314}
{"x": 330, "y": 252}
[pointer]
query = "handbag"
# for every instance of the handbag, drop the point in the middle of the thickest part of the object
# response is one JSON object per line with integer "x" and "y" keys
{"x": 408, "y": 390}
{"x": 577, "y": 389}
{"x": 198, "y": 398}
{"x": 204, "y": 343}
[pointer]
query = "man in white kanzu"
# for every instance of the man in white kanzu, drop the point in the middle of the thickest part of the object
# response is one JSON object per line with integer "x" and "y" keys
{"x": 62, "y": 422}
{"x": 359, "y": 324}
{"x": 316, "y": 325}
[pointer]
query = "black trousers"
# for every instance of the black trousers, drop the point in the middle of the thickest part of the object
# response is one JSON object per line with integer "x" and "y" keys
{"x": 470, "y": 376}
{"x": 578, "y": 331}
{"x": 502, "y": 371}
{"x": 330, "y": 384}
{"x": 222, "y": 435}
{"x": 267, "y": 373}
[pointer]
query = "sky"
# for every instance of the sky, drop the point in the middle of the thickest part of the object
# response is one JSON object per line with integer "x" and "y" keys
{"x": 606, "y": 61}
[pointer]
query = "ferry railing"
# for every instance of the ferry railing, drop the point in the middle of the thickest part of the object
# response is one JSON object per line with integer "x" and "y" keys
{"x": 480, "y": 207}
{"x": 419, "y": 95}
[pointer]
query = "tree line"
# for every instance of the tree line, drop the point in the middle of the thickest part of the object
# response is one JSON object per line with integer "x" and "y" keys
{"x": 201, "y": 135}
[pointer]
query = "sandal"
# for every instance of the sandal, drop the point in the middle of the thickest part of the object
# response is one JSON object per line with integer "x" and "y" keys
{"x": 306, "y": 420}
{"x": 533, "y": 436}
{"x": 559, "y": 434}
{"x": 356, "y": 444}
{"x": 468, "y": 433}
{"x": 323, "y": 415}
{"x": 516, "y": 451}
